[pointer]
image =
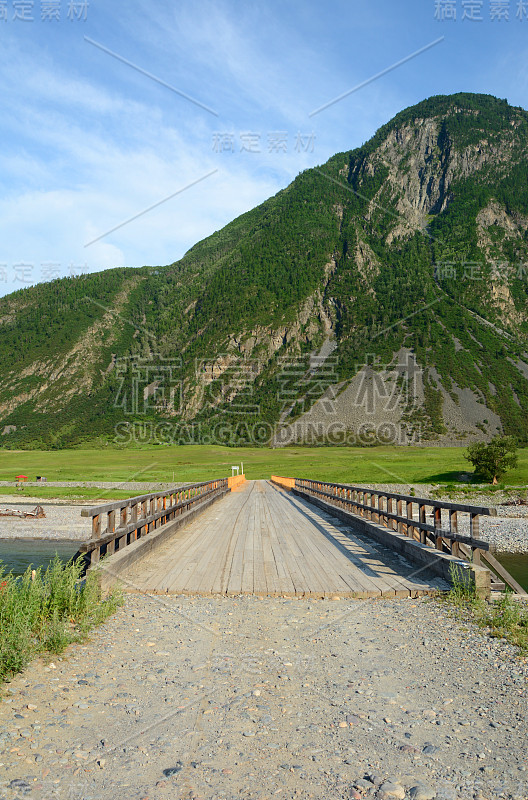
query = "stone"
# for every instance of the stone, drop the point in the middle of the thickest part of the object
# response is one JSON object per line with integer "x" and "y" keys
{"x": 392, "y": 790}
{"x": 173, "y": 770}
{"x": 422, "y": 792}
{"x": 363, "y": 784}
{"x": 352, "y": 719}
{"x": 409, "y": 748}
{"x": 430, "y": 749}
{"x": 18, "y": 783}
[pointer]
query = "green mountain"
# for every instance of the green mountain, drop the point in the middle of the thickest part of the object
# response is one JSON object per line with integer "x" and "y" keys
{"x": 380, "y": 297}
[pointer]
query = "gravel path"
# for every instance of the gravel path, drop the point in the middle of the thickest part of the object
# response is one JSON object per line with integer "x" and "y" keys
{"x": 217, "y": 699}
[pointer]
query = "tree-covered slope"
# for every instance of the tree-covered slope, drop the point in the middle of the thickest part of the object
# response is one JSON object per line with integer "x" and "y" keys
{"x": 412, "y": 246}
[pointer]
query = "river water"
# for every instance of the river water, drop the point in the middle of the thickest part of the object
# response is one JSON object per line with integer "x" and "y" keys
{"x": 17, "y": 555}
{"x": 517, "y": 566}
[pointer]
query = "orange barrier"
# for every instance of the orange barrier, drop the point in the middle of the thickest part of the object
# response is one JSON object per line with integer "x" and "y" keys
{"x": 286, "y": 483}
{"x": 235, "y": 480}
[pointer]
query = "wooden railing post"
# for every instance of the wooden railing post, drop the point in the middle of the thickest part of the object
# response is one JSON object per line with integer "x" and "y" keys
{"x": 146, "y": 513}
{"x": 409, "y": 527}
{"x": 111, "y": 521}
{"x": 453, "y": 528}
{"x": 422, "y": 519}
{"x": 439, "y": 542}
{"x": 379, "y": 507}
{"x": 474, "y": 530}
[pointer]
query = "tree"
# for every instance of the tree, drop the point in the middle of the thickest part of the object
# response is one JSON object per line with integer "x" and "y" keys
{"x": 491, "y": 461}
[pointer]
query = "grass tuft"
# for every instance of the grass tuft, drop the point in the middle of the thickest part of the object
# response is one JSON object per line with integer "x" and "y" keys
{"x": 504, "y": 618}
{"x": 44, "y": 611}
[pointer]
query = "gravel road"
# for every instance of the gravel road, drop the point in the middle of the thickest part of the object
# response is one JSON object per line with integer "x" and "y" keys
{"x": 217, "y": 699}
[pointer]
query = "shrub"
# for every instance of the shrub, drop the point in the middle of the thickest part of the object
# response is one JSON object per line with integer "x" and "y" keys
{"x": 491, "y": 461}
{"x": 45, "y": 610}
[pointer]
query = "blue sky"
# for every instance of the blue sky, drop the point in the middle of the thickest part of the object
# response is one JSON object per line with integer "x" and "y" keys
{"x": 89, "y": 142}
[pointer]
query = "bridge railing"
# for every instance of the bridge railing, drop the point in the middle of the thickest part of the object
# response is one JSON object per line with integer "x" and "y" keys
{"x": 408, "y": 515}
{"x": 129, "y": 520}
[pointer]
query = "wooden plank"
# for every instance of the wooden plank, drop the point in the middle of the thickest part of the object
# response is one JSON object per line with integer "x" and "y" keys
{"x": 184, "y": 556}
{"x": 359, "y": 582}
{"x": 150, "y": 572}
{"x": 282, "y": 546}
{"x": 198, "y": 576}
{"x": 342, "y": 577}
{"x": 233, "y": 532}
{"x": 260, "y": 584}
{"x": 208, "y": 571}
{"x": 248, "y": 556}
{"x": 329, "y": 561}
{"x": 212, "y": 546}
{"x": 388, "y": 581}
{"x": 304, "y": 583}
{"x": 268, "y": 559}
{"x": 372, "y": 585}
{"x": 326, "y": 569}
{"x": 283, "y": 581}
{"x": 234, "y": 570}
{"x": 225, "y": 534}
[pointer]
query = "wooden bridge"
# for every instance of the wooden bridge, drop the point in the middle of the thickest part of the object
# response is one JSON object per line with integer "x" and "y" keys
{"x": 287, "y": 537}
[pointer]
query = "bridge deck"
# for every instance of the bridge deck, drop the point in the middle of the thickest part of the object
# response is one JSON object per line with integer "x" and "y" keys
{"x": 261, "y": 540}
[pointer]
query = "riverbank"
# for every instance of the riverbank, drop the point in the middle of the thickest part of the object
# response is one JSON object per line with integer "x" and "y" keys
{"x": 61, "y": 522}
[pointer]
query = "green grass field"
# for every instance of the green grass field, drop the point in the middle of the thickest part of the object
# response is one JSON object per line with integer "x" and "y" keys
{"x": 200, "y": 462}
